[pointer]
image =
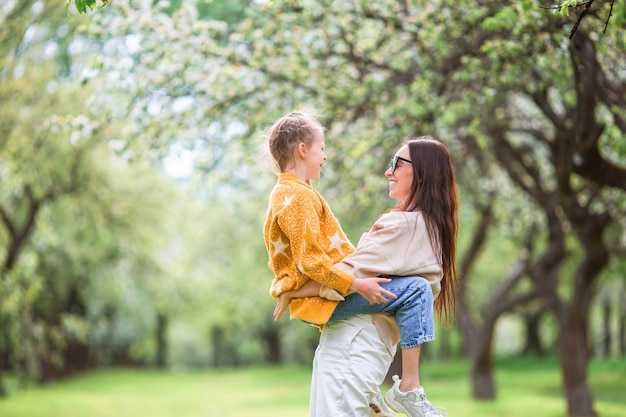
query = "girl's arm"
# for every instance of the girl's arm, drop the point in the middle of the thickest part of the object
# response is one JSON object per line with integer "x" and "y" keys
{"x": 301, "y": 223}
{"x": 370, "y": 286}
{"x": 309, "y": 289}
{"x": 313, "y": 260}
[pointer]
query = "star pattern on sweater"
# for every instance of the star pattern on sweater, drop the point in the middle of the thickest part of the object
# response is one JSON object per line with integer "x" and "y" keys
{"x": 287, "y": 200}
{"x": 308, "y": 230}
{"x": 279, "y": 246}
{"x": 336, "y": 241}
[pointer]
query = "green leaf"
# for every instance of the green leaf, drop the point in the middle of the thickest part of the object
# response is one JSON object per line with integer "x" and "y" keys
{"x": 83, "y": 6}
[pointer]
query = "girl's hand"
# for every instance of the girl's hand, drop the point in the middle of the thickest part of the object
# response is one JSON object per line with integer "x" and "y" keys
{"x": 281, "y": 305}
{"x": 371, "y": 290}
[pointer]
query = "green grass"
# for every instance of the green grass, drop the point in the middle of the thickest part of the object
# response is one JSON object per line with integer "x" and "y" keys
{"x": 526, "y": 387}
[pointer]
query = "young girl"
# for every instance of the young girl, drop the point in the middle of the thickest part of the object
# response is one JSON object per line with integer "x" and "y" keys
{"x": 305, "y": 244}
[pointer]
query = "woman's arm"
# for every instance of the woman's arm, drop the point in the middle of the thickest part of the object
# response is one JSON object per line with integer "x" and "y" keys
{"x": 397, "y": 245}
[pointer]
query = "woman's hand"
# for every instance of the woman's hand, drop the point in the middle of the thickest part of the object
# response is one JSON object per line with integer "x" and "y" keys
{"x": 371, "y": 290}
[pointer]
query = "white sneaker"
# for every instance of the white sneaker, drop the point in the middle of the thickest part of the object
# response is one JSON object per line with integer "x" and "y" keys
{"x": 378, "y": 407}
{"x": 412, "y": 403}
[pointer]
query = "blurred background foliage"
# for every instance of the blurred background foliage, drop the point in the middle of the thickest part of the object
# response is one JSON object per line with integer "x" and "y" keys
{"x": 134, "y": 183}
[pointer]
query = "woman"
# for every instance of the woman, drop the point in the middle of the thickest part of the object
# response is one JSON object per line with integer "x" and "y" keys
{"x": 412, "y": 239}
{"x": 360, "y": 349}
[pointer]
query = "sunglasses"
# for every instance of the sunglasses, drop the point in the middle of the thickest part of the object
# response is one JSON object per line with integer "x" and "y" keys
{"x": 394, "y": 162}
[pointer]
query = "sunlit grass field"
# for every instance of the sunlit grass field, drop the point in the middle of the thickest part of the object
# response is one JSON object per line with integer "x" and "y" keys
{"x": 526, "y": 387}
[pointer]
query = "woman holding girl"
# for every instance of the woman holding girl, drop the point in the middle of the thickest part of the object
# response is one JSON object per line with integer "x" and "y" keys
{"x": 405, "y": 260}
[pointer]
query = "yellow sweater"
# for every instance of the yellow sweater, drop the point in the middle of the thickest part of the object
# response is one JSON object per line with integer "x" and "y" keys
{"x": 304, "y": 241}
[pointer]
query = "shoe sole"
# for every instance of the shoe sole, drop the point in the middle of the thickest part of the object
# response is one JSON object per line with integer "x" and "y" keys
{"x": 395, "y": 406}
{"x": 379, "y": 411}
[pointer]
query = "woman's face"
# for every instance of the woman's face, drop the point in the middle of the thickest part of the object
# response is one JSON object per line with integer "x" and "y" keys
{"x": 400, "y": 179}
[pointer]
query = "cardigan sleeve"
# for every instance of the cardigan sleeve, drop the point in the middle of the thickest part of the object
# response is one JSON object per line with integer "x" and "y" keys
{"x": 397, "y": 245}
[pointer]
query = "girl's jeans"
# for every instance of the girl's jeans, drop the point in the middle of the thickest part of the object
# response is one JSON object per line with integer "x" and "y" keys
{"x": 413, "y": 309}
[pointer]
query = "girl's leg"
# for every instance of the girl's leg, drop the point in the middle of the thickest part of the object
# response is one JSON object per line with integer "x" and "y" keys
{"x": 413, "y": 309}
{"x": 410, "y": 368}
{"x": 414, "y": 314}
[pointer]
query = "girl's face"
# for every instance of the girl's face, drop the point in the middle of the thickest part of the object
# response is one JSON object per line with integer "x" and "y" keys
{"x": 314, "y": 156}
{"x": 400, "y": 179}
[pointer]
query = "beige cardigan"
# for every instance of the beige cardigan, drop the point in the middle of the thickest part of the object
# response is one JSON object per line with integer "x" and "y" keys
{"x": 396, "y": 245}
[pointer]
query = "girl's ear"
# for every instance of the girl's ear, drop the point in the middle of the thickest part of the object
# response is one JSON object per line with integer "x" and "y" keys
{"x": 301, "y": 149}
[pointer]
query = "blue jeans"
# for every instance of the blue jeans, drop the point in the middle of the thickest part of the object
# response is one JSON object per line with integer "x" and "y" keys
{"x": 413, "y": 309}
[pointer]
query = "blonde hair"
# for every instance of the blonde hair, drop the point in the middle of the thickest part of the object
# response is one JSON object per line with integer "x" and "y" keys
{"x": 286, "y": 133}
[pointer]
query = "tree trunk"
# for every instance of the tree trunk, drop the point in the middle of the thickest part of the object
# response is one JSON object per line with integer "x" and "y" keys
{"x": 271, "y": 337}
{"x": 622, "y": 327}
{"x": 3, "y": 390}
{"x": 161, "y": 340}
{"x": 483, "y": 386}
{"x": 574, "y": 347}
{"x": 478, "y": 336}
{"x": 445, "y": 346}
{"x": 219, "y": 346}
{"x": 470, "y": 328}
{"x": 18, "y": 236}
{"x": 621, "y": 321}
{"x": 224, "y": 351}
{"x": 533, "y": 340}
{"x": 574, "y": 355}
{"x": 571, "y": 203}
{"x": 76, "y": 354}
{"x": 607, "y": 339}
{"x": 29, "y": 361}
{"x": 4, "y": 354}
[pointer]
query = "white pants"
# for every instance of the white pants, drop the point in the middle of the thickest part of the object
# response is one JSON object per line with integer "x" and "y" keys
{"x": 350, "y": 364}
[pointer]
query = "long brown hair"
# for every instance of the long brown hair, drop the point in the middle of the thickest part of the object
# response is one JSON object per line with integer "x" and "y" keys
{"x": 434, "y": 192}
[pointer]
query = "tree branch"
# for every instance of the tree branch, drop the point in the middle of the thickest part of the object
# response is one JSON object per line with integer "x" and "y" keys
{"x": 469, "y": 257}
{"x": 512, "y": 160}
{"x": 580, "y": 17}
{"x": 606, "y": 23}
